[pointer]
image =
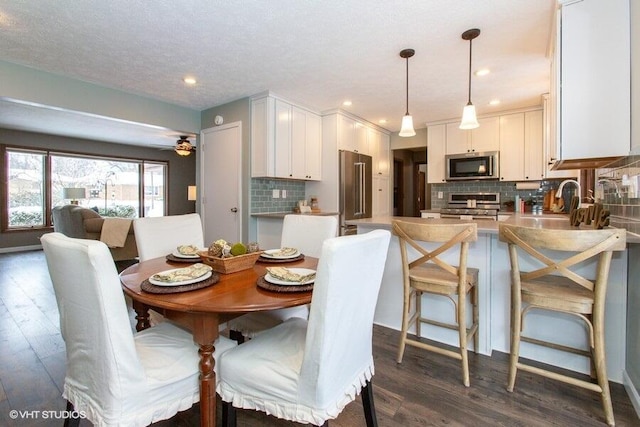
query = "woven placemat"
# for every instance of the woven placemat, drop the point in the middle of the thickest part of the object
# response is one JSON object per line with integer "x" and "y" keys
{"x": 262, "y": 283}
{"x": 173, "y": 258}
{"x": 280, "y": 261}
{"x": 154, "y": 289}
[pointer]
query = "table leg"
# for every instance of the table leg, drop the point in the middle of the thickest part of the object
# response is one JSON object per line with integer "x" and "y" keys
{"x": 142, "y": 315}
{"x": 205, "y": 332}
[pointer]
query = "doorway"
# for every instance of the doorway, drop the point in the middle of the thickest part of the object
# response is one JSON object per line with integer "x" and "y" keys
{"x": 420, "y": 188}
{"x": 221, "y": 182}
{"x": 398, "y": 187}
{"x": 411, "y": 193}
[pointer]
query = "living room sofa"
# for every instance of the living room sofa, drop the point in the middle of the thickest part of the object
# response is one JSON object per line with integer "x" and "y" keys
{"x": 83, "y": 223}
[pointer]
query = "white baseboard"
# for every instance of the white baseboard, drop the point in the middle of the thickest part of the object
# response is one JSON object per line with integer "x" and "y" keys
{"x": 632, "y": 391}
{"x": 20, "y": 249}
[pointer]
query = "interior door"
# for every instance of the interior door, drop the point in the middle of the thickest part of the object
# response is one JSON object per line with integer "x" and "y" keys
{"x": 221, "y": 182}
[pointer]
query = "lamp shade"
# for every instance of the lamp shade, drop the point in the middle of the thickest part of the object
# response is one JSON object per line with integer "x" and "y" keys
{"x": 191, "y": 193}
{"x": 74, "y": 193}
{"x": 469, "y": 119}
{"x": 407, "y": 126}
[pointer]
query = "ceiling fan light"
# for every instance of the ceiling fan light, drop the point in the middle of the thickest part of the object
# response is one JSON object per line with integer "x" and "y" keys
{"x": 407, "y": 126}
{"x": 183, "y": 146}
{"x": 469, "y": 119}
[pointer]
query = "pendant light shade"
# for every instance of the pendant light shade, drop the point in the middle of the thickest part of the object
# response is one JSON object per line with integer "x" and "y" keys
{"x": 469, "y": 119}
{"x": 407, "y": 120}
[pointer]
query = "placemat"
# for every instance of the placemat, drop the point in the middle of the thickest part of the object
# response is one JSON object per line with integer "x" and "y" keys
{"x": 154, "y": 289}
{"x": 173, "y": 258}
{"x": 262, "y": 283}
{"x": 280, "y": 261}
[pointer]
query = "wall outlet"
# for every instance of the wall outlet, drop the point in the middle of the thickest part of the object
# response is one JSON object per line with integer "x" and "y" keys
{"x": 275, "y": 194}
{"x": 284, "y": 194}
{"x": 440, "y": 195}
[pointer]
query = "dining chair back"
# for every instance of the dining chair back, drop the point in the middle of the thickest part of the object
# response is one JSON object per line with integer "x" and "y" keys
{"x": 308, "y": 371}
{"x": 426, "y": 272}
{"x": 556, "y": 282}
{"x": 306, "y": 233}
{"x": 113, "y": 376}
{"x": 160, "y": 236}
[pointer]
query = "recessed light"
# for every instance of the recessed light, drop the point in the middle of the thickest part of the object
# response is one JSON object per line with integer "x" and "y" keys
{"x": 382, "y": 121}
{"x": 347, "y": 103}
{"x": 189, "y": 80}
{"x": 482, "y": 72}
{"x": 494, "y": 102}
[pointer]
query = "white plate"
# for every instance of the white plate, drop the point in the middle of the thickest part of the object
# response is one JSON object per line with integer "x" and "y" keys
{"x": 269, "y": 278}
{"x": 269, "y": 253}
{"x": 179, "y": 255}
{"x": 184, "y": 282}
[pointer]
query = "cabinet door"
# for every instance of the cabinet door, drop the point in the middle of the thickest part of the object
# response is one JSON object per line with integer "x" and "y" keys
{"x": 313, "y": 147}
{"x": 298, "y": 143}
{"x": 436, "y": 142}
{"x": 346, "y": 133}
{"x": 487, "y": 136}
{"x": 512, "y": 147}
{"x": 458, "y": 140}
{"x": 381, "y": 200}
{"x": 533, "y": 146}
{"x": 283, "y": 114}
{"x": 595, "y": 79}
{"x": 384, "y": 154}
{"x": 262, "y": 137}
{"x": 362, "y": 143}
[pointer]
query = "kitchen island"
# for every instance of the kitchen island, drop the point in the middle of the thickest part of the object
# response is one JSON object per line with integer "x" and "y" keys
{"x": 490, "y": 256}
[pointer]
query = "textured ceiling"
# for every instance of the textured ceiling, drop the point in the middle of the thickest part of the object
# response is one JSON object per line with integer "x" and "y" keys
{"x": 317, "y": 53}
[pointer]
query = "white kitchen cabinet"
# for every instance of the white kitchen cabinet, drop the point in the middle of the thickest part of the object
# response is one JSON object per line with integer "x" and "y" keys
{"x": 436, "y": 150}
{"x": 533, "y": 146}
{"x": 379, "y": 150}
{"x": 484, "y": 138}
{"x": 352, "y": 135}
{"x": 381, "y": 196}
{"x": 286, "y": 140}
{"x": 593, "y": 90}
{"x": 512, "y": 150}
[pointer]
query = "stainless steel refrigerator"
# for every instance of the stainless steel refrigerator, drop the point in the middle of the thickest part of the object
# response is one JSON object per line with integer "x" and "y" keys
{"x": 355, "y": 189}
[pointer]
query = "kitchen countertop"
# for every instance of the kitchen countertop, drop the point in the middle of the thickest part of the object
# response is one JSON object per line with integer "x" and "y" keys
{"x": 548, "y": 221}
{"x": 282, "y": 214}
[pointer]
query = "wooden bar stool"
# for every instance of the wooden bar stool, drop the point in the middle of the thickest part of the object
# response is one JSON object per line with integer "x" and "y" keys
{"x": 430, "y": 274}
{"x": 555, "y": 287}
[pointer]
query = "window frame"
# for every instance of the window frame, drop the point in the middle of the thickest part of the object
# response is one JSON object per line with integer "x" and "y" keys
{"x": 5, "y": 149}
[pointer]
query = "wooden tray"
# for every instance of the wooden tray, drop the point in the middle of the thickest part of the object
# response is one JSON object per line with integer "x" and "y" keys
{"x": 155, "y": 289}
{"x": 262, "y": 283}
{"x": 231, "y": 264}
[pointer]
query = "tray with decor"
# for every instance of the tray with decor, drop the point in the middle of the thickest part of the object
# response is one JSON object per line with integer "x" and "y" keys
{"x": 225, "y": 258}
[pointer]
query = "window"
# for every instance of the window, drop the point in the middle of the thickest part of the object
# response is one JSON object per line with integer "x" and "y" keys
{"x": 39, "y": 180}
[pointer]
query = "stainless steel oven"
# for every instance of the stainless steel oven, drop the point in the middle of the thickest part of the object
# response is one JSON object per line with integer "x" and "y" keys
{"x": 472, "y": 166}
{"x": 472, "y": 206}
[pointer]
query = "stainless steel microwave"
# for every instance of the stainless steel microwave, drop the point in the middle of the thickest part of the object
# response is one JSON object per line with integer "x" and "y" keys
{"x": 472, "y": 166}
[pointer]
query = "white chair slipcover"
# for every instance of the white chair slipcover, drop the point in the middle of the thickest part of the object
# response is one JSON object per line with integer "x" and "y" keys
{"x": 114, "y": 376}
{"x": 308, "y": 371}
{"x": 160, "y": 236}
{"x": 305, "y": 233}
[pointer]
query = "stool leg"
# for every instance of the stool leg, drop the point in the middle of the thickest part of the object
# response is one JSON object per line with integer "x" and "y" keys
{"x": 600, "y": 363}
{"x": 462, "y": 333}
{"x": 405, "y": 324}
{"x": 516, "y": 325}
{"x": 476, "y": 319}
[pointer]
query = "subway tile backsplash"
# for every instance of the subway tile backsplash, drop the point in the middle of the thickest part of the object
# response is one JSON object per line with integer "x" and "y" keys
{"x": 619, "y": 187}
{"x": 262, "y": 200}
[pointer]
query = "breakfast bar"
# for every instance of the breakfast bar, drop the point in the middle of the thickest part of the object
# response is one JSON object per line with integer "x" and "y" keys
{"x": 490, "y": 256}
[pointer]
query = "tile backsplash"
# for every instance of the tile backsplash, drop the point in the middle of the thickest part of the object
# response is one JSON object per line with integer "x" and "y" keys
{"x": 618, "y": 185}
{"x": 262, "y": 200}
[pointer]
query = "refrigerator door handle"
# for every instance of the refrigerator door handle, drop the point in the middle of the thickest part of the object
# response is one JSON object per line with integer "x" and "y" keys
{"x": 359, "y": 167}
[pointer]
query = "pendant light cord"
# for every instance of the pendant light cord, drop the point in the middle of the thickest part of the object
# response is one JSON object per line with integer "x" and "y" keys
{"x": 407, "y": 113}
{"x": 470, "y": 49}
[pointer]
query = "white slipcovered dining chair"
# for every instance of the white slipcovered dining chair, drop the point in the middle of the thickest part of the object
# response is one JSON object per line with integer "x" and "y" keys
{"x": 308, "y": 371}
{"x": 116, "y": 377}
{"x": 160, "y": 236}
{"x": 305, "y": 233}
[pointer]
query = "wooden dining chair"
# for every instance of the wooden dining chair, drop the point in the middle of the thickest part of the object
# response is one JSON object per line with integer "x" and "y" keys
{"x": 555, "y": 283}
{"x": 114, "y": 376}
{"x": 306, "y": 233}
{"x": 308, "y": 371}
{"x": 425, "y": 272}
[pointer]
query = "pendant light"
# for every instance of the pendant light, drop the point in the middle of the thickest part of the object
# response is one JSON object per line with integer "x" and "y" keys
{"x": 469, "y": 119}
{"x": 407, "y": 120}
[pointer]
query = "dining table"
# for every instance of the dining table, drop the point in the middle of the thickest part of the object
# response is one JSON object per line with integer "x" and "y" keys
{"x": 202, "y": 311}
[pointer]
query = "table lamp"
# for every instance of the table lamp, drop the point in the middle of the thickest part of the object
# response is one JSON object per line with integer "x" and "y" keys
{"x": 191, "y": 193}
{"x": 73, "y": 194}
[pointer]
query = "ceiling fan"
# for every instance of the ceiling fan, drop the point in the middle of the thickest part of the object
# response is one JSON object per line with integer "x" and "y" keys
{"x": 183, "y": 146}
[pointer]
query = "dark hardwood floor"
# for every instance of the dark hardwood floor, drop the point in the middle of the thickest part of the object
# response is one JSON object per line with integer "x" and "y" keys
{"x": 425, "y": 390}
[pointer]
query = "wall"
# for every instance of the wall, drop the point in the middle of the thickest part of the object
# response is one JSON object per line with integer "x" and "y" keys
{"x": 236, "y": 111}
{"x": 181, "y": 173}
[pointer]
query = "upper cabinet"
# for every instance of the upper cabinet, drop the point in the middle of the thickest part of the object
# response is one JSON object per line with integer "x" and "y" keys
{"x": 436, "y": 150}
{"x": 379, "y": 150}
{"x": 286, "y": 140}
{"x": 521, "y": 146}
{"x": 590, "y": 86}
{"x": 484, "y": 138}
{"x": 352, "y": 135}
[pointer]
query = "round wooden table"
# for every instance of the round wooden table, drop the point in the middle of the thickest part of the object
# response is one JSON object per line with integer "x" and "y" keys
{"x": 203, "y": 310}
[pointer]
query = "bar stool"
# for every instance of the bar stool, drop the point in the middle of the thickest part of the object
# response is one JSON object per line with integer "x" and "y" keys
{"x": 430, "y": 274}
{"x": 555, "y": 287}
